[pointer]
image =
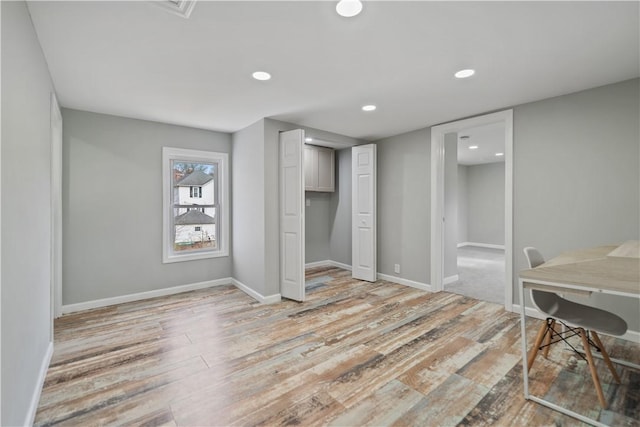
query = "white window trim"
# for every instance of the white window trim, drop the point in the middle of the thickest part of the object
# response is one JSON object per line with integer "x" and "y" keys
{"x": 169, "y": 154}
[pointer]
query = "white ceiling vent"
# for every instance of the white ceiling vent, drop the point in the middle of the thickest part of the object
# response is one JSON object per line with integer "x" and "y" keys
{"x": 181, "y": 8}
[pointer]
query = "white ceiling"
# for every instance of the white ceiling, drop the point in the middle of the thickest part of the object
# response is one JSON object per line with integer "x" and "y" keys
{"x": 488, "y": 138}
{"x": 134, "y": 59}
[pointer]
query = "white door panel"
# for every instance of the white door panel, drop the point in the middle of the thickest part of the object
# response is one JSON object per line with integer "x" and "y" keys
{"x": 292, "y": 215}
{"x": 363, "y": 225}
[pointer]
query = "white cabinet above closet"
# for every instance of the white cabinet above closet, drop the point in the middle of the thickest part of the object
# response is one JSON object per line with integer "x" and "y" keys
{"x": 319, "y": 169}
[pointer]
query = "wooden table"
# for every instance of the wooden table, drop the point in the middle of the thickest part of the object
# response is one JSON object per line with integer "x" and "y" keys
{"x": 613, "y": 270}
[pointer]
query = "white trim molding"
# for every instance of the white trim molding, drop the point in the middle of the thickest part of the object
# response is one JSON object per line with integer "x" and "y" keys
{"x": 633, "y": 336}
{"x": 481, "y": 245}
{"x": 181, "y": 8}
{"x": 269, "y": 299}
{"x": 379, "y": 276}
{"x": 104, "y": 302}
{"x": 450, "y": 279}
{"x": 314, "y": 264}
{"x": 35, "y": 397}
{"x": 405, "y": 282}
{"x": 340, "y": 265}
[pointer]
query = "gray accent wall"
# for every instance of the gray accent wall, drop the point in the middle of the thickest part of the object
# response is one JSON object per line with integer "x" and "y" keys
{"x": 485, "y": 203}
{"x": 404, "y": 215}
{"x": 112, "y": 206}
{"x": 577, "y": 179}
{"x": 26, "y": 214}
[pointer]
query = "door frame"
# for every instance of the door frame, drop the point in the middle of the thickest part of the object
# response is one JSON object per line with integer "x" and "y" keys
{"x": 437, "y": 196}
{"x": 56, "y": 210}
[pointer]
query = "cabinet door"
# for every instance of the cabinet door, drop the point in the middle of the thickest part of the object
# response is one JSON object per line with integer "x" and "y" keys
{"x": 326, "y": 170}
{"x": 310, "y": 168}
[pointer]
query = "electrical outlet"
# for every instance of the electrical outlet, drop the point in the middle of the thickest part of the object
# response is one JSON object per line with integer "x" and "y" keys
{"x": 308, "y": 203}
{"x": 396, "y": 268}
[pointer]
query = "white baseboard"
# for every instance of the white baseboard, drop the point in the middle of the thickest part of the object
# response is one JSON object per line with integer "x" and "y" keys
{"x": 406, "y": 282}
{"x": 388, "y": 278}
{"x": 481, "y": 245}
{"x": 633, "y": 336}
{"x": 104, "y": 302}
{"x": 269, "y": 299}
{"x": 450, "y": 279}
{"x": 35, "y": 397}
{"x": 317, "y": 264}
{"x": 340, "y": 265}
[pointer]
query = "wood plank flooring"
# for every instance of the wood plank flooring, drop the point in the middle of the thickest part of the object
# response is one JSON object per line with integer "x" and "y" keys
{"x": 354, "y": 354}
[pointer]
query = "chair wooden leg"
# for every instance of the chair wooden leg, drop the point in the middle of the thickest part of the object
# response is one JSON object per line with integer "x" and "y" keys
{"x": 548, "y": 337}
{"x": 605, "y": 356}
{"x": 536, "y": 345}
{"x": 592, "y": 368}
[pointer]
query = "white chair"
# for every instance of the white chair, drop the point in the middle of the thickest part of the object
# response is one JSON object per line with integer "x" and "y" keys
{"x": 578, "y": 319}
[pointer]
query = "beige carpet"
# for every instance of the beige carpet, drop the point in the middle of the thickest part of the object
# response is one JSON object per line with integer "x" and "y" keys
{"x": 481, "y": 274}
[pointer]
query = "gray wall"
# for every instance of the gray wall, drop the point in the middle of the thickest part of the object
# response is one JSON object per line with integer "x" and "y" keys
{"x": 112, "y": 206}
{"x": 317, "y": 219}
{"x": 340, "y": 213}
{"x": 404, "y": 214}
{"x": 248, "y": 197}
{"x": 450, "y": 204}
{"x": 26, "y": 214}
{"x": 485, "y": 203}
{"x": 462, "y": 204}
{"x": 577, "y": 183}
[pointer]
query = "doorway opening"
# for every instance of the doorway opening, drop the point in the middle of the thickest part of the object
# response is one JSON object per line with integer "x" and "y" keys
{"x": 471, "y": 238}
{"x": 475, "y": 199}
{"x": 312, "y": 168}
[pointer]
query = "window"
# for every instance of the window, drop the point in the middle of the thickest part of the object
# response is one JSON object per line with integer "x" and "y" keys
{"x": 195, "y": 192}
{"x": 196, "y": 207}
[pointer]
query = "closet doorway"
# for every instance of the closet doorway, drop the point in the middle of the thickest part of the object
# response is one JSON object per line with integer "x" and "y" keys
{"x": 300, "y": 172}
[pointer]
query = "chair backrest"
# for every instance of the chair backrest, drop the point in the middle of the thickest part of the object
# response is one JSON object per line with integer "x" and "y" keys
{"x": 547, "y": 302}
{"x": 534, "y": 257}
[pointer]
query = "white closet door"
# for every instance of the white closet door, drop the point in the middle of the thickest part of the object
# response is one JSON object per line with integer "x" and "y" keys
{"x": 363, "y": 222}
{"x": 292, "y": 215}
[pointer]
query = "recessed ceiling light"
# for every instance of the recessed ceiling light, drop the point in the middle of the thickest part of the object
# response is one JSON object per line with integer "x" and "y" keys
{"x": 261, "y": 75}
{"x": 349, "y": 8}
{"x": 368, "y": 108}
{"x": 463, "y": 74}
{"x": 499, "y": 154}
{"x": 308, "y": 139}
{"x": 473, "y": 147}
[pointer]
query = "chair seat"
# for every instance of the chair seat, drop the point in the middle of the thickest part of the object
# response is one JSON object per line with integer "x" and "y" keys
{"x": 590, "y": 318}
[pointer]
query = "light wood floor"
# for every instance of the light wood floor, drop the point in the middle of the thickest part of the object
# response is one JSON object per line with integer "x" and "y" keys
{"x": 354, "y": 354}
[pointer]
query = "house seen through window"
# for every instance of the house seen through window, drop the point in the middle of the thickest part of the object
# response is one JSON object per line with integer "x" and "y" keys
{"x": 194, "y": 214}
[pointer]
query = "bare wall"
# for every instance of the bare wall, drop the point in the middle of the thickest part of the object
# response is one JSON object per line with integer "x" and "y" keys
{"x": 577, "y": 177}
{"x": 112, "y": 206}
{"x": 26, "y": 214}
{"x": 404, "y": 206}
{"x": 485, "y": 203}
